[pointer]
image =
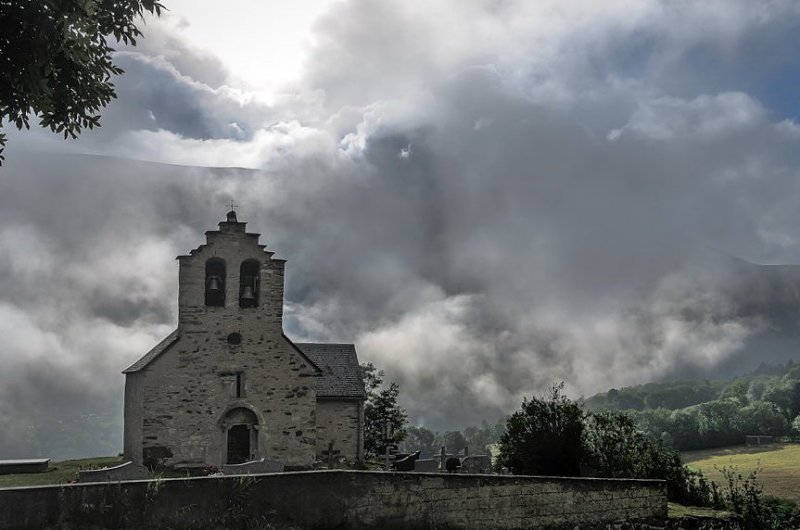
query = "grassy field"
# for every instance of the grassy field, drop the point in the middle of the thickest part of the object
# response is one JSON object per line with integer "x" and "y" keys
{"x": 779, "y": 466}
{"x": 678, "y": 510}
{"x": 58, "y": 472}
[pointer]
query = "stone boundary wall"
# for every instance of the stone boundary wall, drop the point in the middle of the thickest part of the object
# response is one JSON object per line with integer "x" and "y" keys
{"x": 340, "y": 499}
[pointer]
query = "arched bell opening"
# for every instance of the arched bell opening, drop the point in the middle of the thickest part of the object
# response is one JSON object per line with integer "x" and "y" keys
{"x": 248, "y": 283}
{"x": 240, "y": 426}
{"x": 215, "y": 282}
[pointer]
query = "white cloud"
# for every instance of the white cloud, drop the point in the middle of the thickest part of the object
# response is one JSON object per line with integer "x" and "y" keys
{"x": 441, "y": 177}
{"x": 704, "y": 118}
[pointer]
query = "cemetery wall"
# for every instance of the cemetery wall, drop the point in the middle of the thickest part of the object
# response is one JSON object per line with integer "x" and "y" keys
{"x": 341, "y": 499}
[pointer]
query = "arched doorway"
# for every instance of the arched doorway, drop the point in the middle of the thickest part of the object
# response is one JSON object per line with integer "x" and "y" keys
{"x": 241, "y": 435}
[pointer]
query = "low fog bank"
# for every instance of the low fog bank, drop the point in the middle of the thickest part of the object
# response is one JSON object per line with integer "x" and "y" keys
{"x": 469, "y": 302}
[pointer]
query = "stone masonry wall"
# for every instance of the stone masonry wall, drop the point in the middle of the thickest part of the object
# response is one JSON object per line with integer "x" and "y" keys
{"x": 188, "y": 391}
{"x": 339, "y": 422}
{"x": 344, "y": 499}
{"x": 133, "y": 414}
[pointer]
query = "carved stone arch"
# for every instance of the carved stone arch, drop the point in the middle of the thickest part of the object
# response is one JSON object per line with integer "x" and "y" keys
{"x": 240, "y": 425}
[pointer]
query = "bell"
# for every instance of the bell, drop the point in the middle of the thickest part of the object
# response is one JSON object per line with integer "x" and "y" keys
{"x": 213, "y": 284}
{"x": 248, "y": 298}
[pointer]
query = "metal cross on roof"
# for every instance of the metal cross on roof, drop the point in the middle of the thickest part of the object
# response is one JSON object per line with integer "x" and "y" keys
{"x": 233, "y": 205}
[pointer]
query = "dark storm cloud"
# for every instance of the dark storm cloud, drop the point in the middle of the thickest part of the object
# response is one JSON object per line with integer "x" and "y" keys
{"x": 483, "y": 206}
{"x": 155, "y": 95}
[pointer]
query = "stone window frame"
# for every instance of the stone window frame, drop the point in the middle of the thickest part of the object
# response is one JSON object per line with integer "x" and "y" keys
{"x": 215, "y": 267}
{"x": 250, "y": 275}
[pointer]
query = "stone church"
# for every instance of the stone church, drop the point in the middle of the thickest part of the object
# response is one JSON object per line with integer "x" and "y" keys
{"x": 228, "y": 386}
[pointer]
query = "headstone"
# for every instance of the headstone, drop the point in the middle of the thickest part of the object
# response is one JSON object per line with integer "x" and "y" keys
{"x": 126, "y": 471}
{"x": 253, "y": 467}
{"x": 429, "y": 465}
{"x": 406, "y": 463}
{"x": 331, "y": 453}
{"x": 478, "y": 464}
{"x": 452, "y": 464}
{"x": 27, "y": 465}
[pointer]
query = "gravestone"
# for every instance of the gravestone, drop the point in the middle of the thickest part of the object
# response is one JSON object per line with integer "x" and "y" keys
{"x": 126, "y": 471}
{"x": 406, "y": 462}
{"x": 479, "y": 464}
{"x": 428, "y": 465}
{"x": 27, "y": 465}
{"x": 453, "y": 464}
{"x": 331, "y": 454}
{"x": 253, "y": 467}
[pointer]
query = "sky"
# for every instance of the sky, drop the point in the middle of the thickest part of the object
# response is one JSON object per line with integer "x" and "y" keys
{"x": 485, "y": 196}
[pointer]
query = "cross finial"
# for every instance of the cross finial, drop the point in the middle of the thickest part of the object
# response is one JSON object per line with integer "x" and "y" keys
{"x": 231, "y": 216}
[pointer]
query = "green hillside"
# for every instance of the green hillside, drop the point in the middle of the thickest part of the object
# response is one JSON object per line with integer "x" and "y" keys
{"x": 689, "y": 415}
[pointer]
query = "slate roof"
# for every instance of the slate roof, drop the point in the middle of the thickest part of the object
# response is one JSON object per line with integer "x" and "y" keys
{"x": 340, "y": 377}
{"x": 159, "y": 348}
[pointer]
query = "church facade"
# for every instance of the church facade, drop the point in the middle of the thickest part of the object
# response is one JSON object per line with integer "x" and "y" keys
{"x": 228, "y": 386}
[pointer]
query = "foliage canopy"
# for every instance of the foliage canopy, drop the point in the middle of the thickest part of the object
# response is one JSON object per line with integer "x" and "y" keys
{"x": 56, "y": 61}
{"x": 703, "y": 414}
{"x": 552, "y": 435}
{"x": 381, "y": 408}
{"x": 544, "y": 437}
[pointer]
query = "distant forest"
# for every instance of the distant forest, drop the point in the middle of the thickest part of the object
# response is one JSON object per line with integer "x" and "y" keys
{"x": 704, "y": 414}
{"x": 685, "y": 415}
{"x": 475, "y": 439}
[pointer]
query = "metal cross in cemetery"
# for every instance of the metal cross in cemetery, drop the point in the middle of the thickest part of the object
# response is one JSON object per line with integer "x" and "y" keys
{"x": 330, "y": 453}
{"x": 388, "y": 443}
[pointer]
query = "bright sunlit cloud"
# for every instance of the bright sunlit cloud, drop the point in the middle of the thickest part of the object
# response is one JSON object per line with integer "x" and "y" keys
{"x": 264, "y": 43}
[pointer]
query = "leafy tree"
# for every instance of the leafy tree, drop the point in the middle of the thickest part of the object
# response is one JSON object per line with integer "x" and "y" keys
{"x": 792, "y": 371}
{"x": 760, "y": 417}
{"x": 57, "y": 63}
{"x": 718, "y": 423}
{"x": 685, "y": 429}
{"x": 420, "y": 439}
{"x": 656, "y": 423}
{"x": 544, "y": 437}
{"x": 756, "y": 389}
{"x": 786, "y": 396}
{"x": 372, "y": 377}
{"x": 613, "y": 443}
{"x": 454, "y": 441}
{"x": 615, "y": 447}
{"x": 480, "y": 438}
{"x": 737, "y": 390}
{"x": 380, "y": 408}
{"x": 552, "y": 436}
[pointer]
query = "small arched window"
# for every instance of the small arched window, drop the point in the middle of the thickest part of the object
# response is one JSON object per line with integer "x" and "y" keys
{"x": 248, "y": 283}
{"x": 215, "y": 282}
